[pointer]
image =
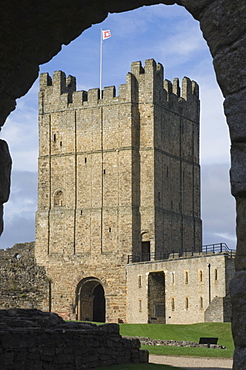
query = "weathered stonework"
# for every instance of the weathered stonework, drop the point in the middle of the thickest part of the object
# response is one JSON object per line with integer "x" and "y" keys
{"x": 189, "y": 289}
{"x": 219, "y": 310}
{"x": 193, "y": 289}
{"x": 33, "y": 32}
{"x": 31, "y": 339}
{"x": 23, "y": 284}
{"x": 115, "y": 179}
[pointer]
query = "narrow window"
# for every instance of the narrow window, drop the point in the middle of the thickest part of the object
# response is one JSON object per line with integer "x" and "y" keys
{"x": 109, "y": 229}
{"x": 54, "y": 137}
{"x": 201, "y": 302}
{"x": 58, "y": 198}
{"x": 159, "y": 196}
{"x": 145, "y": 246}
{"x": 85, "y": 160}
{"x": 172, "y": 304}
{"x": 186, "y": 277}
{"x": 215, "y": 274}
{"x": 140, "y": 305}
{"x": 200, "y": 276}
{"x": 167, "y": 171}
{"x": 104, "y": 171}
{"x": 60, "y": 143}
{"x": 173, "y": 278}
{"x": 186, "y": 303}
{"x": 140, "y": 281}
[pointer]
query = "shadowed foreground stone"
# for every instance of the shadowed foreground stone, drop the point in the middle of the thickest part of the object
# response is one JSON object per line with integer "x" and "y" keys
{"x": 5, "y": 169}
{"x": 32, "y": 339}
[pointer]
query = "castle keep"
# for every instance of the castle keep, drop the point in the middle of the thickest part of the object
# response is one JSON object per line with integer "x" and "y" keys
{"x": 119, "y": 184}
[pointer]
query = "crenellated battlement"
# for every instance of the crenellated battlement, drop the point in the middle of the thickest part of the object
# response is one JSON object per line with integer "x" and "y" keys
{"x": 118, "y": 175}
{"x": 60, "y": 83}
{"x": 142, "y": 84}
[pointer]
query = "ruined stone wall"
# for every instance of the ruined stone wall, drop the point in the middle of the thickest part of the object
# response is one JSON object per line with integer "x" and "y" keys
{"x": 23, "y": 284}
{"x": 31, "y": 339}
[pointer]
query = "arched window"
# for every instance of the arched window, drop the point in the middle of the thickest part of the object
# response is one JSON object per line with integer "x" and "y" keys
{"x": 58, "y": 198}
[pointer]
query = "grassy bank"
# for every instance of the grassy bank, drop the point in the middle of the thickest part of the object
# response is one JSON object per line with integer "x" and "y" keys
{"x": 190, "y": 332}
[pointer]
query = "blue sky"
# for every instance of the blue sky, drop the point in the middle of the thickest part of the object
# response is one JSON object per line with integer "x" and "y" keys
{"x": 172, "y": 37}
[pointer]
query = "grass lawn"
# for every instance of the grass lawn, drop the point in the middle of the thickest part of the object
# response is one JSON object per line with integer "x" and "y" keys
{"x": 140, "y": 367}
{"x": 190, "y": 332}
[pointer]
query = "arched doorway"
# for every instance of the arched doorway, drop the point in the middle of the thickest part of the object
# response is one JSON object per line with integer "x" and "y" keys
{"x": 90, "y": 299}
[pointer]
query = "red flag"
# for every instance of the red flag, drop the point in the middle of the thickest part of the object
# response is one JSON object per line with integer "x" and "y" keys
{"x": 106, "y": 34}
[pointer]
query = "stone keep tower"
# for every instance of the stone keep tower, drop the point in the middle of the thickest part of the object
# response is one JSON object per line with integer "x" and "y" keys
{"x": 118, "y": 177}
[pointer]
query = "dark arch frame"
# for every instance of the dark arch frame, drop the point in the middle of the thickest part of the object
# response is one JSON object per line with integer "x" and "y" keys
{"x": 33, "y": 32}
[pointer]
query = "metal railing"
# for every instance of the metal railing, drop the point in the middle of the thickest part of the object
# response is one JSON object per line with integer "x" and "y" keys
{"x": 144, "y": 257}
{"x": 160, "y": 256}
{"x": 217, "y": 248}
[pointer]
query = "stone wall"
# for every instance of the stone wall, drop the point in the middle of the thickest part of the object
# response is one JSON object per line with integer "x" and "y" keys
{"x": 219, "y": 310}
{"x": 23, "y": 283}
{"x": 31, "y": 339}
{"x": 101, "y": 193}
{"x": 186, "y": 291}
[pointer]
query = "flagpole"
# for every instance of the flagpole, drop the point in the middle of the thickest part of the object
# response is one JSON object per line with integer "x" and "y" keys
{"x": 101, "y": 49}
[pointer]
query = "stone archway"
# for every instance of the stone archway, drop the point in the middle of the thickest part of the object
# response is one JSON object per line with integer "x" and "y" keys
{"x": 33, "y": 32}
{"x": 90, "y": 300}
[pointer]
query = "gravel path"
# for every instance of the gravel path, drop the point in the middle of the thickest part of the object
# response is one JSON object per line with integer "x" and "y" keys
{"x": 193, "y": 363}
